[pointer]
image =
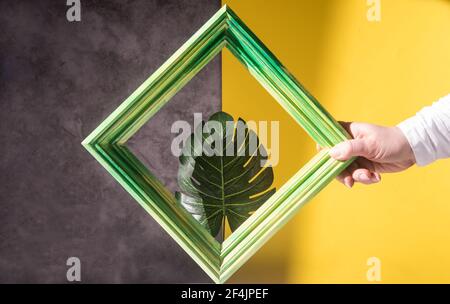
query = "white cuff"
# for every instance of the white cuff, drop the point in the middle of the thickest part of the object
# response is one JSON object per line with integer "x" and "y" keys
{"x": 428, "y": 132}
{"x": 416, "y": 138}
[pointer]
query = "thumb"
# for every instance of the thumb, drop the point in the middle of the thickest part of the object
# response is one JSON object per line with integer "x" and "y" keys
{"x": 350, "y": 148}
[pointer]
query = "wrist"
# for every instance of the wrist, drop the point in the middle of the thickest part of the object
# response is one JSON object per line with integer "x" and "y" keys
{"x": 406, "y": 152}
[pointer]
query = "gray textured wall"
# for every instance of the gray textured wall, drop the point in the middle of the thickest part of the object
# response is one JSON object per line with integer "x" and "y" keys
{"x": 58, "y": 81}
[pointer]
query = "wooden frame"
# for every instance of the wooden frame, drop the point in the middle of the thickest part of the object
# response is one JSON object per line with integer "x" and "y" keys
{"x": 107, "y": 143}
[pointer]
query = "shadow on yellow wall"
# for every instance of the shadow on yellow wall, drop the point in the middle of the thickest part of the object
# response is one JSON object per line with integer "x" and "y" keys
{"x": 242, "y": 94}
{"x": 380, "y": 72}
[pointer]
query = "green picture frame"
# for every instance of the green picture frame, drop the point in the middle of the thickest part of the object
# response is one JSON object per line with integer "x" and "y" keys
{"x": 107, "y": 143}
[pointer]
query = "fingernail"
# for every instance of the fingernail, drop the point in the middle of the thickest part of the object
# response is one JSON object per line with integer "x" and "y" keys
{"x": 348, "y": 183}
{"x": 363, "y": 177}
{"x": 336, "y": 152}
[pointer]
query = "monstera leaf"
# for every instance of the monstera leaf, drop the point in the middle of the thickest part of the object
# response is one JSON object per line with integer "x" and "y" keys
{"x": 230, "y": 183}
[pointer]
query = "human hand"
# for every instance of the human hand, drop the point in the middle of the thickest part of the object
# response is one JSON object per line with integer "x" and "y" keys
{"x": 379, "y": 150}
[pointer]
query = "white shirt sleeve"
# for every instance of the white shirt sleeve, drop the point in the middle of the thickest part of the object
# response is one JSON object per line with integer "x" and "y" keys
{"x": 428, "y": 132}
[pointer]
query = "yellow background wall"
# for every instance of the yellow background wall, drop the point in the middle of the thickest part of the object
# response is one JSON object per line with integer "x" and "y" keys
{"x": 379, "y": 72}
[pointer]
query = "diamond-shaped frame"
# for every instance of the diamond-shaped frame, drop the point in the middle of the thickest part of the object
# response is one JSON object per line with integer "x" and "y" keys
{"x": 107, "y": 144}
